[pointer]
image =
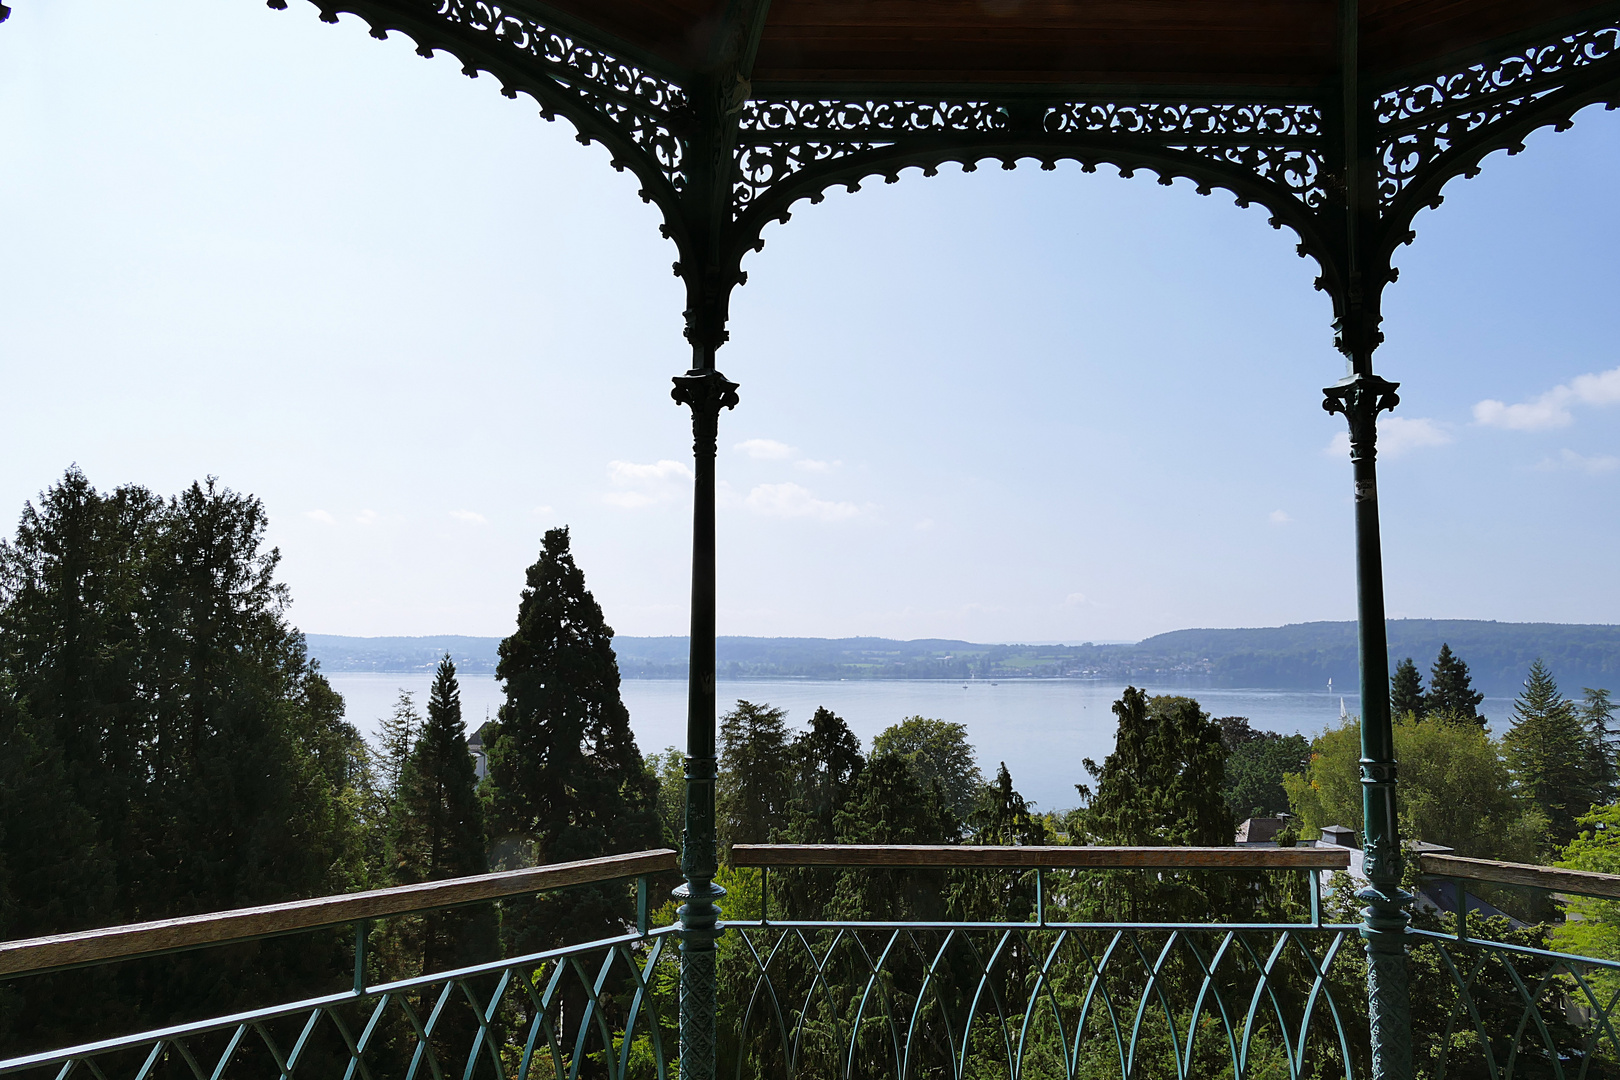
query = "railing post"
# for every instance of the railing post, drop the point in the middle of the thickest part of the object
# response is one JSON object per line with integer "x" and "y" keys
{"x": 1360, "y": 398}
{"x": 706, "y": 391}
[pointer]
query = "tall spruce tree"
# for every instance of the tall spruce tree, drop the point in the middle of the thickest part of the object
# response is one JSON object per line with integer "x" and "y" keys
{"x": 1597, "y": 714}
{"x": 437, "y": 828}
{"x": 1451, "y": 691}
{"x": 1406, "y": 691}
{"x": 566, "y": 780}
{"x": 1549, "y": 753}
{"x": 751, "y": 795}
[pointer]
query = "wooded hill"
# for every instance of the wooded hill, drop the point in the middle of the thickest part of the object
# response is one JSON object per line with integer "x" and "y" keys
{"x": 1298, "y": 656}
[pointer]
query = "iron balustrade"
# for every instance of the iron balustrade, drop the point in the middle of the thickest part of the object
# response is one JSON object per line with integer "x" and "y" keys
{"x": 497, "y": 1018}
{"x": 1048, "y": 998}
{"x": 1504, "y": 1004}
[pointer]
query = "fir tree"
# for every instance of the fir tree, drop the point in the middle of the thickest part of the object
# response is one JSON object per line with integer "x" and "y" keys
{"x": 1597, "y": 714}
{"x": 566, "y": 780}
{"x": 752, "y": 793}
{"x": 437, "y": 827}
{"x": 889, "y": 803}
{"x": 1549, "y": 754}
{"x": 1450, "y": 690}
{"x": 1406, "y": 691}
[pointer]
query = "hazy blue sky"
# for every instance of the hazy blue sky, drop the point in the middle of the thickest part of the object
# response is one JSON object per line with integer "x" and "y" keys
{"x": 424, "y": 325}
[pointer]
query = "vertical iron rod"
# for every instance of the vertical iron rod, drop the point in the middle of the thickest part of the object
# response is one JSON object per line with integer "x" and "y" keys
{"x": 362, "y": 930}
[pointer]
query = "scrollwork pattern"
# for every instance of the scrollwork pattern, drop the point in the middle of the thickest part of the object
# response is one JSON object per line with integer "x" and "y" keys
{"x": 639, "y": 102}
{"x": 777, "y": 139}
{"x": 1420, "y": 123}
{"x": 1277, "y": 142}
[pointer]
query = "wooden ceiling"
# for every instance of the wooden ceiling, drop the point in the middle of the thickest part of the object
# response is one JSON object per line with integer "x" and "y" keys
{"x": 1215, "y": 43}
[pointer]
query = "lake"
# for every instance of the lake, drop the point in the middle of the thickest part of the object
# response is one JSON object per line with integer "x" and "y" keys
{"x": 1041, "y": 728}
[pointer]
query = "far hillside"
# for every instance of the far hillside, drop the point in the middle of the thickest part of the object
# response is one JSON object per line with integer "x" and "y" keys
{"x": 1298, "y": 656}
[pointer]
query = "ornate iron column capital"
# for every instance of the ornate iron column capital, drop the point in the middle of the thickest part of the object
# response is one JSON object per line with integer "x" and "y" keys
{"x": 706, "y": 393}
{"x": 1359, "y": 399}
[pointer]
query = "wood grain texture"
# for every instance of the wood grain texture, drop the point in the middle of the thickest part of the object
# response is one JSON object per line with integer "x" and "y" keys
{"x": 1089, "y": 858}
{"x": 224, "y": 927}
{"x": 1579, "y": 882}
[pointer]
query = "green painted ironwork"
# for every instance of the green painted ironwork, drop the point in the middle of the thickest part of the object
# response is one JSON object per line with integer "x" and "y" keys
{"x": 498, "y": 1019}
{"x": 706, "y": 392}
{"x": 1060, "y": 1000}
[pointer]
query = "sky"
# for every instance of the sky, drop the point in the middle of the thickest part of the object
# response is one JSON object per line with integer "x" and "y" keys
{"x": 424, "y": 325}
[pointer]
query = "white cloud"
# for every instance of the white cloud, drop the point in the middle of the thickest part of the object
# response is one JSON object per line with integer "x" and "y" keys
{"x": 765, "y": 449}
{"x": 542, "y": 511}
{"x": 471, "y": 517}
{"x": 646, "y": 485}
{"x": 626, "y": 473}
{"x": 1397, "y": 435}
{"x": 321, "y": 516}
{"x": 924, "y": 525}
{"x": 792, "y": 501}
{"x": 1075, "y": 599}
{"x": 1279, "y": 517}
{"x": 366, "y": 517}
{"x": 1595, "y": 465}
{"x": 1551, "y": 410}
{"x": 812, "y": 465}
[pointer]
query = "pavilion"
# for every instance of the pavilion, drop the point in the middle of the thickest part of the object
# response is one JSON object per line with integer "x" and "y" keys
{"x": 1342, "y": 118}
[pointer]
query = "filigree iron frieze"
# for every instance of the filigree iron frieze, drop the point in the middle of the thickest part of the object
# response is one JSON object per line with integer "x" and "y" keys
{"x": 640, "y": 103}
{"x": 1420, "y": 123}
{"x": 777, "y": 139}
{"x": 1273, "y": 142}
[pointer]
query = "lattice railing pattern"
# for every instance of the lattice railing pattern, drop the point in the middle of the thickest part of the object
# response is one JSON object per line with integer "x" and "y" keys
{"x": 960, "y": 1001}
{"x": 603, "y": 1010}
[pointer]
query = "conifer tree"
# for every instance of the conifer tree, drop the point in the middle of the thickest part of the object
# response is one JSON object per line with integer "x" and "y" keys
{"x": 1406, "y": 691}
{"x": 566, "y": 780}
{"x": 437, "y": 828}
{"x": 1597, "y": 714}
{"x": 826, "y": 762}
{"x": 396, "y": 738}
{"x": 752, "y": 793}
{"x": 1162, "y": 785}
{"x": 1549, "y": 754}
{"x": 1451, "y": 691}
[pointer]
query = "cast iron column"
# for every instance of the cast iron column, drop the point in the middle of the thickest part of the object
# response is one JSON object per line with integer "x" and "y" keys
{"x": 1360, "y": 398}
{"x": 706, "y": 392}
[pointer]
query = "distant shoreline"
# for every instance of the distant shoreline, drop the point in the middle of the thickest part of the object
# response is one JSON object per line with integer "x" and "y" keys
{"x": 1301, "y": 656}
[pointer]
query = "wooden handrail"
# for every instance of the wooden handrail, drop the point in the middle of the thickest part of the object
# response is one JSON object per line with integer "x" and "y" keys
{"x": 938, "y": 856}
{"x": 1550, "y": 878}
{"x": 243, "y": 924}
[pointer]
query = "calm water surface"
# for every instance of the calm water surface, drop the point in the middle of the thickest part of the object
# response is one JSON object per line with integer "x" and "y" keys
{"x": 1041, "y": 728}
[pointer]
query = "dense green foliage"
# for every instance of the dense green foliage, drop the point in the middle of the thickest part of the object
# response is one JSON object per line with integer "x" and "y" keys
{"x": 1256, "y": 762}
{"x": 169, "y": 748}
{"x": 1455, "y": 788}
{"x": 940, "y": 755}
